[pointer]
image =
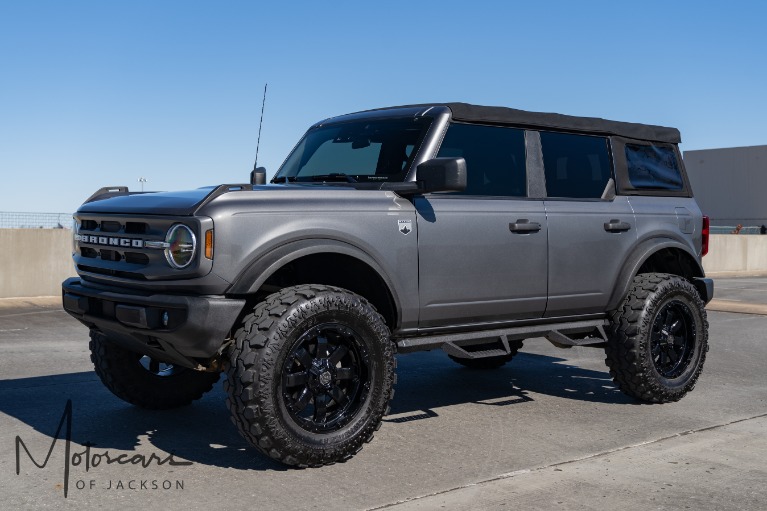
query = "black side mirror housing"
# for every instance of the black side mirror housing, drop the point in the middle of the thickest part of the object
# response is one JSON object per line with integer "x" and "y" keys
{"x": 442, "y": 175}
{"x": 258, "y": 176}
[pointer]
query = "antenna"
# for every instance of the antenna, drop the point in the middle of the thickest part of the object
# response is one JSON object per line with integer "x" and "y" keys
{"x": 260, "y": 122}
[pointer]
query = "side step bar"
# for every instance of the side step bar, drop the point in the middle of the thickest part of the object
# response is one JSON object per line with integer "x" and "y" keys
{"x": 562, "y": 335}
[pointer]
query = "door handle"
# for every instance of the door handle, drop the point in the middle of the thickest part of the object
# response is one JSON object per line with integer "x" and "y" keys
{"x": 524, "y": 226}
{"x": 616, "y": 225}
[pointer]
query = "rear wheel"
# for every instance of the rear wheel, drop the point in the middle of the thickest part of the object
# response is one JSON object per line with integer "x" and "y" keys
{"x": 143, "y": 381}
{"x": 658, "y": 339}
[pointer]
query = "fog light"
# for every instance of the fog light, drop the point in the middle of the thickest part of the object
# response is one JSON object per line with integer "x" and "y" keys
{"x": 165, "y": 318}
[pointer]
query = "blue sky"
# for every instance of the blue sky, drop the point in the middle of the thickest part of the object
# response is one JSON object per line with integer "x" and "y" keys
{"x": 104, "y": 92}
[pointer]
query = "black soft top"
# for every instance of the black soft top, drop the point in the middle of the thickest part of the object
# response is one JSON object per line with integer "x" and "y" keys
{"x": 511, "y": 116}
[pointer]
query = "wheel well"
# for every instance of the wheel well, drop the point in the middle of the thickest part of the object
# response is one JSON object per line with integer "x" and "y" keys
{"x": 335, "y": 270}
{"x": 674, "y": 261}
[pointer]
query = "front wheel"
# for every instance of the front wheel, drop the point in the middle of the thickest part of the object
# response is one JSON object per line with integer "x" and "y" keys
{"x": 310, "y": 375}
{"x": 143, "y": 381}
{"x": 658, "y": 339}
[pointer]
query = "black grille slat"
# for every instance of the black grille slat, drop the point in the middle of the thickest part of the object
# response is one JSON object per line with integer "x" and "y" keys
{"x": 110, "y": 226}
{"x": 136, "y": 258}
{"x": 136, "y": 228}
{"x": 110, "y": 255}
{"x": 114, "y": 273}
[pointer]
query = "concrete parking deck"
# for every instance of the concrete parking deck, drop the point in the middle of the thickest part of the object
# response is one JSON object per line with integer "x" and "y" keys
{"x": 547, "y": 431}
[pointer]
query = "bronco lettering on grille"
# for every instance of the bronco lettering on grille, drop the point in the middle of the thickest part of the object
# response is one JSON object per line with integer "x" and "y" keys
{"x": 110, "y": 241}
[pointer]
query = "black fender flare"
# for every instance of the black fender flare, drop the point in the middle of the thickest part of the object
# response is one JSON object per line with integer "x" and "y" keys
{"x": 642, "y": 253}
{"x": 254, "y": 276}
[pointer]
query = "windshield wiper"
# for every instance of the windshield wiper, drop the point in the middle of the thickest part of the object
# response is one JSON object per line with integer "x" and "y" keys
{"x": 335, "y": 176}
{"x": 284, "y": 179}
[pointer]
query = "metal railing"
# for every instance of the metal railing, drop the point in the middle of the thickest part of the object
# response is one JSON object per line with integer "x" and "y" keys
{"x": 730, "y": 229}
{"x": 15, "y": 220}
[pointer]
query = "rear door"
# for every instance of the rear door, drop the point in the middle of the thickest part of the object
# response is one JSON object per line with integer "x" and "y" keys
{"x": 482, "y": 252}
{"x": 591, "y": 231}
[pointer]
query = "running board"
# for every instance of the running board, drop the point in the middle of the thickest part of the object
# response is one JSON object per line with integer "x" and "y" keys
{"x": 562, "y": 335}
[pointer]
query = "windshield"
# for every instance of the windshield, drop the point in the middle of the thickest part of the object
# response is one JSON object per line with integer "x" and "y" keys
{"x": 359, "y": 151}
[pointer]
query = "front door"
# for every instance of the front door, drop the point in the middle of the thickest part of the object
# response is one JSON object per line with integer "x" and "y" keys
{"x": 482, "y": 252}
{"x": 480, "y": 260}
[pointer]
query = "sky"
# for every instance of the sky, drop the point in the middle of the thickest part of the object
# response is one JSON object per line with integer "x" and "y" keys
{"x": 96, "y": 93}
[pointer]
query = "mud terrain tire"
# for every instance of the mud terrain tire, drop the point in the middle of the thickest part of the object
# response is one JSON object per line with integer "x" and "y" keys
{"x": 144, "y": 382}
{"x": 310, "y": 375}
{"x": 658, "y": 339}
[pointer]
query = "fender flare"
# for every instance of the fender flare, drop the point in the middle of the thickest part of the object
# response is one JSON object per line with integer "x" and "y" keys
{"x": 638, "y": 257}
{"x": 254, "y": 276}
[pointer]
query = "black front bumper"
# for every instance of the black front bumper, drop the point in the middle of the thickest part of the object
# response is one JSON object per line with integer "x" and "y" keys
{"x": 184, "y": 330}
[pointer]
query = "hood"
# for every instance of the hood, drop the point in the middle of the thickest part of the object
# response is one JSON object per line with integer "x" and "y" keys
{"x": 155, "y": 203}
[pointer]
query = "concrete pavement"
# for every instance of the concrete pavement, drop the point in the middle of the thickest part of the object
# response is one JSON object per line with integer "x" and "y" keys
{"x": 547, "y": 431}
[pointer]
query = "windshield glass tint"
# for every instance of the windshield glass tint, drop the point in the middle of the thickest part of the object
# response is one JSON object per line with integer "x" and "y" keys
{"x": 380, "y": 150}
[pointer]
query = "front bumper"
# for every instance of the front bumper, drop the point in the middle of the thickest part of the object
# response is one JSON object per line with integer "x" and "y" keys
{"x": 178, "y": 329}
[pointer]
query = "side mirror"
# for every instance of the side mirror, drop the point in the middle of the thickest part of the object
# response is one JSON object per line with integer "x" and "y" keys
{"x": 258, "y": 176}
{"x": 442, "y": 175}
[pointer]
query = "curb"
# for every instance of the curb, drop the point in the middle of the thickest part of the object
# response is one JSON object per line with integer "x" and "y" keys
{"x": 31, "y": 302}
{"x": 738, "y": 307}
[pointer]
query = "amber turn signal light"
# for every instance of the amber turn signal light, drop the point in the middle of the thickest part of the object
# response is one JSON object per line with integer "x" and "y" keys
{"x": 209, "y": 244}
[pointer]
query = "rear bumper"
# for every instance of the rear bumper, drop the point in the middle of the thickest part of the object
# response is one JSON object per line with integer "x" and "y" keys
{"x": 705, "y": 288}
{"x": 184, "y": 330}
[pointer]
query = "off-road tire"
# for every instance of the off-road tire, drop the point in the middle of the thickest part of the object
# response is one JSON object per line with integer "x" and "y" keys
{"x": 490, "y": 362}
{"x": 121, "y": 371}
{"x": 268, "y": 358}
{"x": 643, "y": 340}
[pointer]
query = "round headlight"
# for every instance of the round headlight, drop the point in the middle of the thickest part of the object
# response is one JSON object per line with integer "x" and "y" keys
{"x": 182, "y": 245}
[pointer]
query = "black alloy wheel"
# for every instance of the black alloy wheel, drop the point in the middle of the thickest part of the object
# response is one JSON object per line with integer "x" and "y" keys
{"x": 672, "y": 340}
{"x": 325, "y": 378}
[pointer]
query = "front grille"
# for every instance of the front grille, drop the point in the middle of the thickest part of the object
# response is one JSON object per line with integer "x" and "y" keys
{"x": 115, "y": 245}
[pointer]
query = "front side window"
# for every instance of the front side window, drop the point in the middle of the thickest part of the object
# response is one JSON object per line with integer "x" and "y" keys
{"x": 358, "y": 151}
{"x": 576, "y": 166}
{"x": 653, "y": 167}
{"x": 495, "y": 158}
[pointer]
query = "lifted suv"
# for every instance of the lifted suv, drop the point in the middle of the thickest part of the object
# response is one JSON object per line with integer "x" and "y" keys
{"x": 452, "y": 226}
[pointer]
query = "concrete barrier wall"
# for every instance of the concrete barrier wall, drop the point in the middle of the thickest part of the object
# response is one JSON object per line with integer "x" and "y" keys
{"x": 736, "y": 253}
{"x": 34, "y": 262}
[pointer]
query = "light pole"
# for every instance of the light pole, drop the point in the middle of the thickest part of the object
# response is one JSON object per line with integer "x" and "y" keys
{"x": 142, "y": 180}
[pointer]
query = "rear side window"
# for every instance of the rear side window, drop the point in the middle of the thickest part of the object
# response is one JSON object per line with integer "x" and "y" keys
{"x": 495, "y": 158}
{"x": 576, "y": 166}
{"x": 653, "y": 167}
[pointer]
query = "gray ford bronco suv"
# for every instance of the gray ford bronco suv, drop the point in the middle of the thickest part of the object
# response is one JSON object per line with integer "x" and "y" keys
{"x": 442, "y": 226}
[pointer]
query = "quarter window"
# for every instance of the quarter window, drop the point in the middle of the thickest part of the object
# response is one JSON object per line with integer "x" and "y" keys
{"x": 654, "y": 167}
{"x": 495, "y": 158}
{"x": 576, "y": 166}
